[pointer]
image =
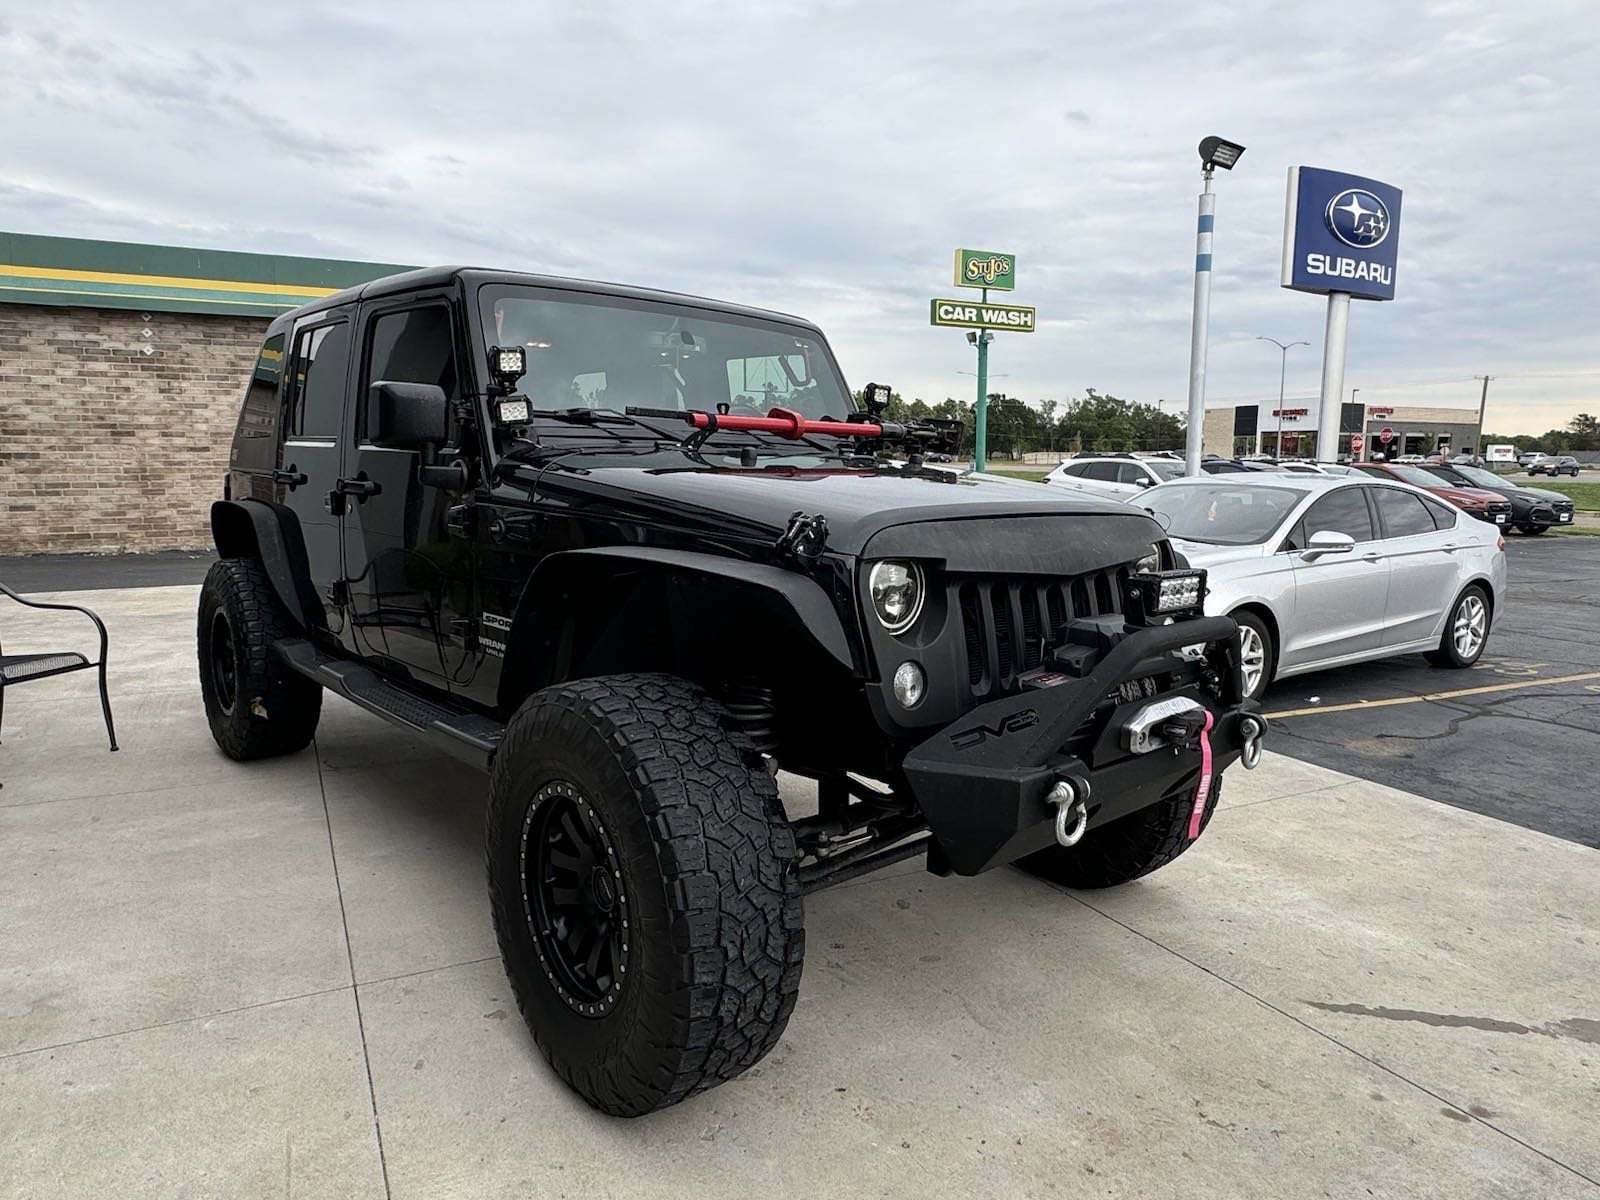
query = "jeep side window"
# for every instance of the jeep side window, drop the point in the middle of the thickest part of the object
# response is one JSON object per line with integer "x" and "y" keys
{"x": 255, "y": 441}
{"x": 414, "y": 345}
{"x": 316, "y": 394}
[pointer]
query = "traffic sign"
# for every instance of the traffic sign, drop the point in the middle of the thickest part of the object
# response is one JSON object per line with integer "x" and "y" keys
{"x": 1357, "y": 443}
{"x": 986, "y": 269}
{"x": 961, "y": 314}
{"x": 1386, "y": 435}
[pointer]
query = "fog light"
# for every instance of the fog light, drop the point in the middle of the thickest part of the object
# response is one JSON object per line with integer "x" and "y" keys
{"x": 909, "y": 683}
{"x": 1160, "y": 593}
{"x": 1175, "y": 595}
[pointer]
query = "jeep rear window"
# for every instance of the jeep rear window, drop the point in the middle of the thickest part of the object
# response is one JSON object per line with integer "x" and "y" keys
{"x": 255, "y": 445}
{"x": 586, "y": 351}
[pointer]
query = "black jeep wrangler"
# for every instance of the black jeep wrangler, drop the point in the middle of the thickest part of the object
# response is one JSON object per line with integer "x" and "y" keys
{"x": 631, "y": 553}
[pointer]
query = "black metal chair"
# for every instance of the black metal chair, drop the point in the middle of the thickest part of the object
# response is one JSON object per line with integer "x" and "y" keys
{"x": 25, "y": 668}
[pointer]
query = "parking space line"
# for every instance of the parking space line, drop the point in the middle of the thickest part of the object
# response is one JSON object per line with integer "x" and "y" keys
{"x": 1477, "y": 691}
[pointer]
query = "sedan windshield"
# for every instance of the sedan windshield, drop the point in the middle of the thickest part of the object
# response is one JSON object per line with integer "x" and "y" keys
{"x": 609, "y": 352}
{"x": 1417, "y": 477}
{"x": 1221, "y": 513}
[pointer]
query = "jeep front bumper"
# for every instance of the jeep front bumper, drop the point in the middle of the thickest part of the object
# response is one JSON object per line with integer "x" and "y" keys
{"x": 983, "y": 782}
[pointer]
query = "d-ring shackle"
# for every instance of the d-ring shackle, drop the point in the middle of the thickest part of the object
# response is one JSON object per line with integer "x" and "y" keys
{"x": 1071, "y": 798}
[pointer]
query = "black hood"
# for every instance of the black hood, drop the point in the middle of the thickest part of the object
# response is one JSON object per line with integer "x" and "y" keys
{"x": 758, "y": 502}
{"x": 1536, "y": 495}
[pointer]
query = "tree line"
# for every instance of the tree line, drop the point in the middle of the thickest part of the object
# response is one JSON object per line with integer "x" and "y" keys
{"x": 1581, "y": 433}
{"x": 1098, "y": 422}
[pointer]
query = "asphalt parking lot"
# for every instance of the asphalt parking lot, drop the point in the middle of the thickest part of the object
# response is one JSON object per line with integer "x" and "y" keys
{"x": 1516, "y": 737}
{"x": 280, "y": 979}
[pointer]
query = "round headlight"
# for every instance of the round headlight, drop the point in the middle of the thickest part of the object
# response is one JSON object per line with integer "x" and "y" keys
{"x": 897, "y": 590}
{"x": 909, "y": 684}
{"x": 1150, "y": 563}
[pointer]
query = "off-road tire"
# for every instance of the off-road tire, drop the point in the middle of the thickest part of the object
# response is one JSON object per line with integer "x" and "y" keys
{"x": 272, "y": 710}
{"x": 716, "y": 934}
{"x": 1447, "y": 655}
{"x": 1128, "y": 847}
{"x": 1533, "y": 530}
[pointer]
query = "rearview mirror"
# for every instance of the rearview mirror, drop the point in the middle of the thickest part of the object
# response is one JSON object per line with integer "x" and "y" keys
{"x": 1144, "y": 482}
{"x": 1327, "y": 541}
{"x": 409, "y": 416}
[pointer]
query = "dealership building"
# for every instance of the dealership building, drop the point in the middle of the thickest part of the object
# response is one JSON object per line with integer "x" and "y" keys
{"x": 121, "y": 371}
{"x": 1386, "y": 431}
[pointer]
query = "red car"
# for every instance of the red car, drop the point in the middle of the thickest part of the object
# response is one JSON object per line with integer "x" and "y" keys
{"x": 1480, "y": 502}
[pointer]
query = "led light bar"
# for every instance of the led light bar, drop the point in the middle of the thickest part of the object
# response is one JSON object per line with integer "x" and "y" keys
{"x": 1163, "y": 593}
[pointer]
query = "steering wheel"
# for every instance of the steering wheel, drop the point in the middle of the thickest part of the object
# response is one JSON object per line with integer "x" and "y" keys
{"x": 747, "y": 406}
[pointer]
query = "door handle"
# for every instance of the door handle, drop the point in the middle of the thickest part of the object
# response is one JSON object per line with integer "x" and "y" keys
{"x": 291, "y": 477}
{"x": 360, "y": 488}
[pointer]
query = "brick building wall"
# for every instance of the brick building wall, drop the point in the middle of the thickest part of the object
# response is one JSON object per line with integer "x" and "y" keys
{"x": 115, "y": 425}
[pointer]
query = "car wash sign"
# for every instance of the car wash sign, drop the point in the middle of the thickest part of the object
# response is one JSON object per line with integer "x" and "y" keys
{"x": 966, "y": 314}
{"x": 1341, "y": 234}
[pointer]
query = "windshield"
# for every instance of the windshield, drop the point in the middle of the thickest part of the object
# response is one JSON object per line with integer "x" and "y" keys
{"x": 607, "y": 352}
{"x": 1164, "y": 468}
{"x": 1417, "y": 477}
{"x": 1479, "y": 476}
{"x": 1224, "y": 514}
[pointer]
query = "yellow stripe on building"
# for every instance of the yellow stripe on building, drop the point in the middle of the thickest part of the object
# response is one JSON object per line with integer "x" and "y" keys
{"x": 61, "y": 275}
{"x": 22, "y": 291}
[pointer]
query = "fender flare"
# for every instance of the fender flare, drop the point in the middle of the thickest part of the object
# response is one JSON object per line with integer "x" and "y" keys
{"x": 269, "y": 533}
{"x": 804, "y": 597}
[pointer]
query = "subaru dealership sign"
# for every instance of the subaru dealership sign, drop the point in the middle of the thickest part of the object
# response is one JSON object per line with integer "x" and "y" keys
{"x": 1341, "y": 234}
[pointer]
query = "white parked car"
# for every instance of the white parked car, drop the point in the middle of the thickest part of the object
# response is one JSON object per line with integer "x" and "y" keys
{"x": 1114, "y": 476}
{"x": 1325, "y": 570}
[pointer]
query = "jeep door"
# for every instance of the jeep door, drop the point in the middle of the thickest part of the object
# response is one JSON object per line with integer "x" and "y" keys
{"x": 410, "y": 581}
{"x": 312, "y": 416}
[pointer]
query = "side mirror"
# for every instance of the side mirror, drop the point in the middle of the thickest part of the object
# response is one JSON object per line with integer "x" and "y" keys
{"x": 1144, "y": 482}
{"x": 1327, "y": 541}
{"x": 409, "y": 416}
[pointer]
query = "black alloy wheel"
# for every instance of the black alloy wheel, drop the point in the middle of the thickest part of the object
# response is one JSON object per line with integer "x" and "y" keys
{"x": 574, "y": 900}
{"x": 224, "y": 663}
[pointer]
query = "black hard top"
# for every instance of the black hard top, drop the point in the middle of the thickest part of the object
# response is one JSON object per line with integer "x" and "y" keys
{"x": 436, "y": 277}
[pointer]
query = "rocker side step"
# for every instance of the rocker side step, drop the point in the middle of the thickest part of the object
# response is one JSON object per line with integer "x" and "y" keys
{"x": 469, "y": 736}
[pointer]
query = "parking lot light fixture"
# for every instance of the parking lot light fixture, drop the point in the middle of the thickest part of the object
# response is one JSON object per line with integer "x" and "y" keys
{"x": 1283, "y": 364}
{"x": 1219, "y": 152}
{"x": 1214, "y": 152}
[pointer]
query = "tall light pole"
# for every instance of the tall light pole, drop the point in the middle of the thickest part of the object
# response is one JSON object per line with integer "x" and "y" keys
{"x": 1214, "y": 152}
{"x": 1283, "y": 366}
{"x": 1483, "y": 407}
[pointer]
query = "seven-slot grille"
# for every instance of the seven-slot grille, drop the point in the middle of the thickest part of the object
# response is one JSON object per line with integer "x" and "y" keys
{"x": 1009, "y": 622}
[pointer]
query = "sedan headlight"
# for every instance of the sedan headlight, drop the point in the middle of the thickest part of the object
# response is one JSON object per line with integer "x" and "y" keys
{"x": 897, "y": 592}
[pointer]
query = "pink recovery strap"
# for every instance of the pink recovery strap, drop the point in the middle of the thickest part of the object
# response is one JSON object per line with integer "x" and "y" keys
{"x": 1204, "y": 790}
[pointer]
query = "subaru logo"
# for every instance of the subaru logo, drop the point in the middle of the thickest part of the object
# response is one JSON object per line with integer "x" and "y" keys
{"x": 1358, "y": 218}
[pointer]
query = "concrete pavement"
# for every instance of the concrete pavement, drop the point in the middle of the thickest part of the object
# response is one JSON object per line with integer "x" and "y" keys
{"x": 280, "y": 980}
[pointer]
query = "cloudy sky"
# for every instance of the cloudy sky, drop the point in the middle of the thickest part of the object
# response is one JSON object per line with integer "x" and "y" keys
{"x": 826, "y": 157}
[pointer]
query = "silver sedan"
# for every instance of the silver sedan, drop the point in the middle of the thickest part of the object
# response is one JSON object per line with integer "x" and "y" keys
{"x": 1323, "y": 571}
